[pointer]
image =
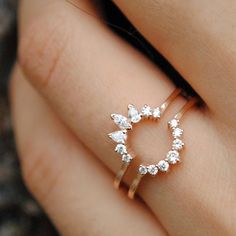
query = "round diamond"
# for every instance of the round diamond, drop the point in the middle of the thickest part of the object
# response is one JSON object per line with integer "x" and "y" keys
{"x": 177, "y": 144}
{"x": 156, "y": 113}
{"x": 121, "y": 149}
{"x": 173, "y": 123}
{"x": 146, "y": 111}
{"x": 163, "y": 165}
{"x": 127, "y": 158}
{"x": 172, "y": 157}
{"x": 152, "y": 169}
{"x": 177, "y": 132}
{"x": 143, "y": 170}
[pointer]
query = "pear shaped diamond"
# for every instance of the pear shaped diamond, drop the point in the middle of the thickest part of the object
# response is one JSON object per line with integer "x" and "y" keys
{"x": 133, "y": 114}
{"x": 119, "y": 136}
{"x": 121, "y": 121}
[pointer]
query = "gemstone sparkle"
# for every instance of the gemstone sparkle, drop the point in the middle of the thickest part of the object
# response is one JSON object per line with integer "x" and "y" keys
{"x": 121, "y": 149}
{"x": 119, "y": 136}
{"x": 156, "y": 112}
{"x": 152, "y": 169}
{"x": 143, "y": 170}
{"x": 173, "y": 123}
{"x": 146, "y": 111}
{"x": 133, "y": 114}
{"x": 121, "y": 121}
{"x": 163, "y": 165}
{"x": 177, "y": 144}
{"x": 172, "y": 157}
{"x": 177, "y": 133}
{"x": 126, "y": 158}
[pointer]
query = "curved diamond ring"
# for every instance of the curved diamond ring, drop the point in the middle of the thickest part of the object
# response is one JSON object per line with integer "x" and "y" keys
{"x": 172, "y": 157}
{"x": 126, "y": 124}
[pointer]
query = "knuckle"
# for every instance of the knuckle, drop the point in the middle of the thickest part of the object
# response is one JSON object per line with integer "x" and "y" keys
{"x": 41, "y": 48}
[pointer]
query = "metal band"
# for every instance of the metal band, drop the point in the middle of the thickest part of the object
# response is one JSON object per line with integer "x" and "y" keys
{"x": 163, "y": 165}
{"x": 125, "y": 164}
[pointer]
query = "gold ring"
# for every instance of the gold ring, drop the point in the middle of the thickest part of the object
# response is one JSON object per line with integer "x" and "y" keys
{"x": 172, "y": 157}
{"x": 126, "y": 124}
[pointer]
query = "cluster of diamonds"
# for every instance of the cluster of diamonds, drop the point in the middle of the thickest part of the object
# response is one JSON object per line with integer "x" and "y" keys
{"x": 126, "y": 123}
{"x": 172, "y": 157}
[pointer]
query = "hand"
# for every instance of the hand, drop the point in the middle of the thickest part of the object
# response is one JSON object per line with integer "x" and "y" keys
{"x": 85, "y": 73}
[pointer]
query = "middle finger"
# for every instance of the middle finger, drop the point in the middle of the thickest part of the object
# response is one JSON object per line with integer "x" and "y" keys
{"x": 86, "y": 73}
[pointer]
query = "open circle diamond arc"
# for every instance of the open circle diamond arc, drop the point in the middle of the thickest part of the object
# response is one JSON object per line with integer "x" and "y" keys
{"x": 126, "y": 124}
{"x": 172, "y": 157}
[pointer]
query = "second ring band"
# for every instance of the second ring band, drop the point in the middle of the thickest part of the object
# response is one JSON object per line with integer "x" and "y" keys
{"x": 172, "y": 157}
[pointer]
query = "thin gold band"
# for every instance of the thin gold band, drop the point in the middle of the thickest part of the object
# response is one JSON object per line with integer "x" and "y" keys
{"x": 124, "y": 167}
{"x": 136, "y": 182}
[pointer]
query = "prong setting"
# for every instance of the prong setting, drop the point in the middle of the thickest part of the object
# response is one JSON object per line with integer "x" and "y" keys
{"x": 135, "y": 116}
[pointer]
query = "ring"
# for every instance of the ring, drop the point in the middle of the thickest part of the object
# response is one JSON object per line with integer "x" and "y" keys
{"x": 126, "y": 124}
{"x": 172, "y": 157}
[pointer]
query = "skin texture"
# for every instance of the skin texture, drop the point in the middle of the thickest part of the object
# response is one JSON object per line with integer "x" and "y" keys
{"x": 84, "y": 79}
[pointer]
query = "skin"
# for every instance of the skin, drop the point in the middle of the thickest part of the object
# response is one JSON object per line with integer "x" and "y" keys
{"x": 67, "y": 83}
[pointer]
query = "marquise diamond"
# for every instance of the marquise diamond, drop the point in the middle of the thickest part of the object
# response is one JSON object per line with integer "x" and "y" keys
{"x": 121, "y": 121}
{"x": 119, "y": 136}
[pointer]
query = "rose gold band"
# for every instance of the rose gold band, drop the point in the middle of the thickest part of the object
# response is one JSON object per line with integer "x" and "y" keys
{"x": 163, "y": 108}
{"x": 136, "y": 182}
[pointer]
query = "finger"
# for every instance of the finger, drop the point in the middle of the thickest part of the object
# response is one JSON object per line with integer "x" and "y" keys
{"x": 86, "y": 78}
{"x": 72, "y": 186}
{"x": 196, "y": 41}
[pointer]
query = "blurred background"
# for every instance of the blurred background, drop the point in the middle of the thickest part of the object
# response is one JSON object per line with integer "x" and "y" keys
{"x": 20, "y": 215}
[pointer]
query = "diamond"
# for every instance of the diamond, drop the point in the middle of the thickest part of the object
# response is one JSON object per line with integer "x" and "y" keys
{"x": 163, "y": 165}
{"x": 133, "y": 114}
{"x": 152, "y": 169}
{"x": 121, "y": 149}
{"x": 177, "y": 144}
{"x": 119, "y": 136}
{"x": 146, "y": 111}
{"x": 177, "y": 133}
{"x": 143, "y": 170}
{"x": 156, "y": 112}
{"x": 121, "y": 121}
{"x": 172, "y": 157}
{"x": 127, "y": 158}
{"x": 173, "y": 123}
